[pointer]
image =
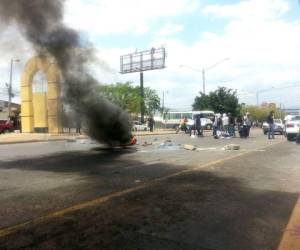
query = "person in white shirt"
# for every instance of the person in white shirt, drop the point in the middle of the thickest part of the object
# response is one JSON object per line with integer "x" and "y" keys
{"x": 191, "y": 125}
{"x": 225, "y": 121}
{"x": 248, "y": 123}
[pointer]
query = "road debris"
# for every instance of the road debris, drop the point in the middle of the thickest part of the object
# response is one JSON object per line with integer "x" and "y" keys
{"x": 145, "y": 144}
{"x": 231, "y": 147}
{"x": 204, "y": 149}
{"x": 71, "y": 140}
{"x": 189, "y": 147}
{"x": 168, "y": 146}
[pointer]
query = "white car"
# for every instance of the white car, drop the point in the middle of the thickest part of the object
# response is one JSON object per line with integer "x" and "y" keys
{"x": 292, "y": 127}
{"x": 278, "y": 127}
{"x": 138, "y": 126}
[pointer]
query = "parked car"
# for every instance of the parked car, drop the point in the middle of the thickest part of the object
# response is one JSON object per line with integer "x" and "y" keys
{"x": 292, "y": 127}
{"x": 278, "y": 127}
{"x": 6, "y": 126}
{"x": 138, "y": 126}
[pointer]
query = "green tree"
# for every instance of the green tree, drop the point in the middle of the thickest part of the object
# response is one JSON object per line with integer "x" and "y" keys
{"x": 260, "y": 113}
{"x": 152, "y": 101}
{"x": 201, "y": 102}
{"x": 128, "y": 97}
{"x": 222, "y": 100}
{"x": 122, "y": 94}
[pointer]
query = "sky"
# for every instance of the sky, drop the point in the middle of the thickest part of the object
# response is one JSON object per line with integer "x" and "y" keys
{"x": 260, "y": 40}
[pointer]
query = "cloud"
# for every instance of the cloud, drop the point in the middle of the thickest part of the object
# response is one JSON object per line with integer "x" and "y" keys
{"x": 170, "y": 29}
{"x": 105, "y": 17}
{"x": 252, "y": 10}
{"x": 262, "y": 45}
{"x": 12, "y": 46}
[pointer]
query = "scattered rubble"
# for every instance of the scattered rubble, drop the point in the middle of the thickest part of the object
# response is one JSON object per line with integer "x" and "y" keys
{"x": 231, "y": 147}
{"x": 167, "y": 144}
{"x": 195, "y": 148}
{"x": 204, "y": 149}
{"x": 189, "y": 147}
{"x": 71, "y": 140}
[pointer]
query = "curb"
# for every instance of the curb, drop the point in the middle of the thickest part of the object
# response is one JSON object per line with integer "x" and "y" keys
{"x": 65, "y": 139}
{"x": 34, "y": 140}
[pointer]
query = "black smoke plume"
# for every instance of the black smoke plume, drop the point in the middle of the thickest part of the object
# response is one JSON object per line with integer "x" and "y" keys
{"x": 41, "y": 22}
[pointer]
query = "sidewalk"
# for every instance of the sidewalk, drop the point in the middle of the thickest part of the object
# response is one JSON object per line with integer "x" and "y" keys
{"x": 36, "y": 137}
{"x": 40, "y": 137}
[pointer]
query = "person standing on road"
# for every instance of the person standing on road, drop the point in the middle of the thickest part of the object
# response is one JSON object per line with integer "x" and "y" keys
{"x": 151, "y": 123}
{"x": 270, "y": 121}
{"x": 191, "y": 126}
{"x": 201, "y": 122}
{"x": 214, "y": 125}
{"x": 217, "y": 124}
{"x": 248, "y": 123}
{"x": 198, "y": 125}
{"x": 239, "y": 121}
{"x": 225, "y": 122}
{"x": 231, "y": 126}
{"x": 183, "y": 125}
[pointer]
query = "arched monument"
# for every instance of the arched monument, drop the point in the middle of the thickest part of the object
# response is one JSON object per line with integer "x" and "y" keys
{"x": 40, "y": 96}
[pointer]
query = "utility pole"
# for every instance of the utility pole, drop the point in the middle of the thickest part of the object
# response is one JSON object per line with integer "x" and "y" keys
{"x": 142, "y": 97}
{"x": 10, "y": 95}
{"x": 203, "y": 80}
{"x": 257, "y": 98}
{"x": 9, "y": 88}
{"x": 203, "y": 71}
{"x": 140, "y": 62}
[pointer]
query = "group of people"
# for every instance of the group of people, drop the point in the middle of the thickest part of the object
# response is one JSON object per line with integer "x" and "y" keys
{"x": 226, "y": 124}
{"x": 223, "y": 125}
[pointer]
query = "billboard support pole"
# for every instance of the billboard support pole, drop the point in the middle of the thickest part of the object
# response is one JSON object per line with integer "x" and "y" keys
{"x": 142, "y": 61}
{"x": 142, "y": 97}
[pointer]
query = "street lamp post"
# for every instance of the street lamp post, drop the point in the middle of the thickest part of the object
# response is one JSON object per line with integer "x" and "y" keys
{"x": 203, "y": 80}
{"x": 261, "y": 91}
{"x": 273, "y": 88}
{"x": 163, "y": 101}
{"x": 203, "y": 71}
{"x": 10, "y": 85}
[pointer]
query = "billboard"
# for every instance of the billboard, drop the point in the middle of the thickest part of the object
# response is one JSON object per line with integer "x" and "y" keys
{"x": 143, "y": 60}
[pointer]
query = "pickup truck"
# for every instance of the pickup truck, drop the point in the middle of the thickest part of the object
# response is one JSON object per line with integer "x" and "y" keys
{"x": 6, "y": 126}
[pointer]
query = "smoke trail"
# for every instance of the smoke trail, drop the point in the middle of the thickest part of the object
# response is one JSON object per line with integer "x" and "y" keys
{"x": 42, "y": 24}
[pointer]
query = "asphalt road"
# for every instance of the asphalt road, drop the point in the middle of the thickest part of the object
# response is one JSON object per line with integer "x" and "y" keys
{"x": 157, "y": 195}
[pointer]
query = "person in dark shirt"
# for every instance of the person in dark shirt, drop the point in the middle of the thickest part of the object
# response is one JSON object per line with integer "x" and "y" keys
{"x": 151, "y": 123}
{"x": 270, "y": 121}
{"x": 231, "y": 126}
{"x": 198, "y": 125}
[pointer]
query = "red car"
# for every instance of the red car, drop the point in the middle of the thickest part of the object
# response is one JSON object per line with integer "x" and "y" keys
{"x": 6, "y": 126}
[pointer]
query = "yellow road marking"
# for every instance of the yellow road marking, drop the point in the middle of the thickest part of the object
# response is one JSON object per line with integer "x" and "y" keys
{"x": 291, "y": 236}
{"x": 16, "y": 228}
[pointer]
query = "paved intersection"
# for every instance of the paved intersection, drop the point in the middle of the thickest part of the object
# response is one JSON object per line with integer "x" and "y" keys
{"x": 158, "y": 196}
